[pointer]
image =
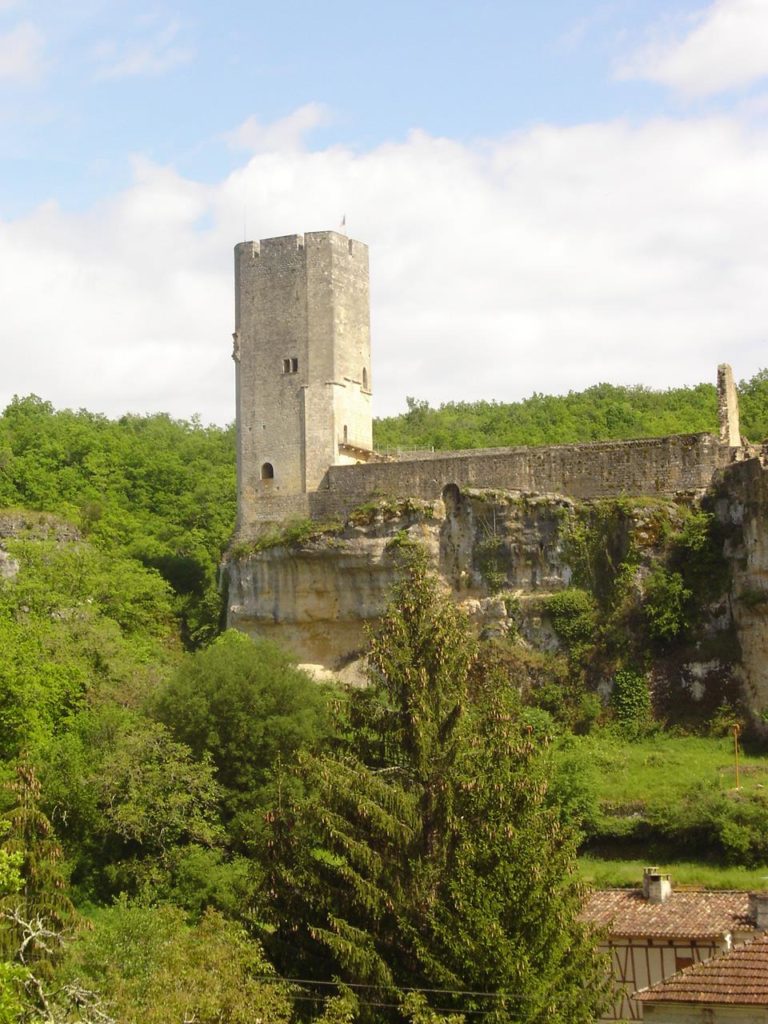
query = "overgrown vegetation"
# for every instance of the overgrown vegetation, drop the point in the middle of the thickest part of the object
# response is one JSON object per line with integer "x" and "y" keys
{"x": 185, "y": 814}
{"x": 668, "y": 798}
{"x": 428, "y": 832}
{"x": 158, "y": 491}
{"x": 293, "y": 533}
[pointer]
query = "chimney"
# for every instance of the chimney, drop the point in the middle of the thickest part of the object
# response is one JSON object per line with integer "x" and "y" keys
{"x": 758, "y": 909}
{"x": 657, "y": 888}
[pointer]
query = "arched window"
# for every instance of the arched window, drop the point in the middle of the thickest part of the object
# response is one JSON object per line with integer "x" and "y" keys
{"x": 365, "y": 379}
{"x": 267, "y": 471}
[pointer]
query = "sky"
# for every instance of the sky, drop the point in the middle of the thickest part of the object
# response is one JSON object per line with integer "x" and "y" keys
{"x": 555, "y": 193}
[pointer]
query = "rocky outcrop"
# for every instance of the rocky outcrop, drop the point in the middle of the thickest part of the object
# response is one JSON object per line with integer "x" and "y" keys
{"x": 26, "y": 525}
{"x": 317, "y": 597}
{"x": 501, "y": 555}
{"x": 741, "y": 505}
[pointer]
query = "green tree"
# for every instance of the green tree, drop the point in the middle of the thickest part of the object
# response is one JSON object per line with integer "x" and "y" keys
{"x": 37, "y": 911}
{"x": 149, "y": 966}
{"x": 128, "y": 798}
{"x": 11, "y": 974}
{"x": 160, "y": 491}
{"x": 666, "y": 604}
{"x": 246, "y": 706}
{"x": 426, "y": 853}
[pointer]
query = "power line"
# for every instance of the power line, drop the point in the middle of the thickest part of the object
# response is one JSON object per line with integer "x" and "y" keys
{"x": 401, "y": 988}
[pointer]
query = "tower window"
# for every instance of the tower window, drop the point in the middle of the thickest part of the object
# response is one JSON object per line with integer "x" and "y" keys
{"x": 267, "y": 471}
{"x": 346, "y": 434}
{"x": 365, "y": 379}
{"x": 291, "y": 365}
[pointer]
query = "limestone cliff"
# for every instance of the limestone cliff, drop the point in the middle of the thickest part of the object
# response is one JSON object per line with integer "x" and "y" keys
{"x": 315, "y": 596}
{"x": 741, "y": 504}
{"x": 29, "y": 525}
{"x": 502, "y": 555}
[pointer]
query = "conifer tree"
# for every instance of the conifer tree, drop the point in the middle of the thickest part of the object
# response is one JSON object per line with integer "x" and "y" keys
{"x": 424, "y": 855}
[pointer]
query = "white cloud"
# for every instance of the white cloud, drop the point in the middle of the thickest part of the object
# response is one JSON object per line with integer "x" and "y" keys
{"x": 727, "y": 49}
{"x": 549, "y": 260}
{"x": 21, "y": 52}
{"x": 143, "y": 58}
{"x": 286, "y": 134}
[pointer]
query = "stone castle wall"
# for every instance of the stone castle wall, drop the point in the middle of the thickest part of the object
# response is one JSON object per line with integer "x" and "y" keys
{"x": 304, "y": 426}
{"x": 661, "y": 467}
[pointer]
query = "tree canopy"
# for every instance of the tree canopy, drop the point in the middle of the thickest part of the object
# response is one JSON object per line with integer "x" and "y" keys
{"x": 600, "y": 413}
{"x": 424, "y": 852}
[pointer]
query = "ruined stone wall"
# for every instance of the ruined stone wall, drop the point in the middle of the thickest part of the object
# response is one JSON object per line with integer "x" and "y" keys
{"x": 649, "y": 467}
{"x": 728, "y": 407}
{"x": 304, "y": 427}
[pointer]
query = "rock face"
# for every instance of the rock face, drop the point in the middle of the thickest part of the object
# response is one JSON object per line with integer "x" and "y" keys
{"x": 501, "y": 555}
{"x": 30, "y": 526}
{"x": 742, "y": 506}
{"x": 317, "y": 597}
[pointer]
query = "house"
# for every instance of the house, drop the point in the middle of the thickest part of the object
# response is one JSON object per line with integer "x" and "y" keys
{"x": 654, "y": 931}
{"x": 729, "y": 989}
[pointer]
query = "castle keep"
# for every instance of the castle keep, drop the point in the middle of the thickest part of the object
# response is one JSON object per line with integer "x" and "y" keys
{"x": 304, "y": 439}
{"x": 303, "y": 357}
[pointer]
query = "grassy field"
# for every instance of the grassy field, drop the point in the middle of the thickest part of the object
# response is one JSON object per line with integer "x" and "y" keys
{"x": 666, "y": 768}
{"x": 607, "y": 874}
{"x": 670, "y": 801}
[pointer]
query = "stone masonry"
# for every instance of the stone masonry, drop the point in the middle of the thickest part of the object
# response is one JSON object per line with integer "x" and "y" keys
{"x": 304, "y": 428}
{"x": 303, "y": 367}
{"x": 728, "y": 407}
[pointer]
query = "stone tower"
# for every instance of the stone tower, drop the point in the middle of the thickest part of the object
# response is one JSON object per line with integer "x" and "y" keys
{"x": 303, "y": 357}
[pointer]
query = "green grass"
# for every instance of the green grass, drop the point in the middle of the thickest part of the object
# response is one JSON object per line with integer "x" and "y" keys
{"x": 667, "y": 800}
{"x": 664, "y": 768}
{"x": 605, "y": 874}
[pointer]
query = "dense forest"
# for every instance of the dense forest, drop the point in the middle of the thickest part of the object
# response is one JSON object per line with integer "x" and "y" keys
{"x": 193, "y": 830}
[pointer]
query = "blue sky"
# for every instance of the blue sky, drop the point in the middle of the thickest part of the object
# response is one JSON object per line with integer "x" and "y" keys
{"x": 554, "y": 192}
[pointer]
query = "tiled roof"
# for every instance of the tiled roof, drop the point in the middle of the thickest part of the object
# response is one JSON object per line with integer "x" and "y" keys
{"x": 685, "y": 914}
{"x": 739, "y": 977}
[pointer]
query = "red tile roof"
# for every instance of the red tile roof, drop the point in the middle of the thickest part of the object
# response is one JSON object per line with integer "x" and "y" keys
{"x": 739, "y": 977}
{"x": 685, "y": 914}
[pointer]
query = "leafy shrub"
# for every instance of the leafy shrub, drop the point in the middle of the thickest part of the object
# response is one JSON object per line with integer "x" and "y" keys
{"x": 574, "y": 617}
{"x": 586, "y": 713}
{"x": 733, "y": 825}
{"x": 724, "y": 719}
{"x": 245, "y": 705}
{"x": 152, "y": 967}
{"x": 573, "y": 784}
{"x": 631, "y": 702}
{"x": 489, "y": 554}
{"x": 665, "y": 605}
